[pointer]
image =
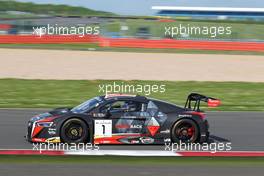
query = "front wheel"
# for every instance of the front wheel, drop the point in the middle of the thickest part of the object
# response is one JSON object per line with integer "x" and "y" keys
{"x": 74, "y": 131}
{"x": 185, "y": 131}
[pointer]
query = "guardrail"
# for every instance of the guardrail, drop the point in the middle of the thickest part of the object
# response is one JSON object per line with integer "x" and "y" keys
{"x": 47, "y": 39}
{"x": 134, "y": 43}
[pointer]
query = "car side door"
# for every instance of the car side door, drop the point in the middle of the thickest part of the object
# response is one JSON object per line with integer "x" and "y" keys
{"x": 105, "y": 117}
{"x": 124, "y": 117}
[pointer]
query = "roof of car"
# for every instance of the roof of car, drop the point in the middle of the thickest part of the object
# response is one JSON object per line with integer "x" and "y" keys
{"x": 118, "y": 95}
{"x": 134, "y": 97}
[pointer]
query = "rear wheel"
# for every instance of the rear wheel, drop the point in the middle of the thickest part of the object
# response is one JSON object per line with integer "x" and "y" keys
{"x": 185, "y": 130}
{"x": 74, "y": 131}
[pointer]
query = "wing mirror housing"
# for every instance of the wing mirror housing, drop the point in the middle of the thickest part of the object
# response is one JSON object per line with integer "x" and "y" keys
{"x": 104, "y": 114}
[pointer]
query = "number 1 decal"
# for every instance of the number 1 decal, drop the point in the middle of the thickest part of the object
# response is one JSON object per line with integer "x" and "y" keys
{"x": 103, "y": 128}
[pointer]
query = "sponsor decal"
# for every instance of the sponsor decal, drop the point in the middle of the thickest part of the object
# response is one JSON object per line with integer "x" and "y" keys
{"x": 184, "y": 115}
{"x": 52, "y": 131}
{"x": 146, "y": 140}
{"x": 165, "y": 131}
{"x": 153, "y": 126}
{"x": 167, "y": 140}
{"x": 129, "y": 117}
{"x": 53, "y": 140}
{"x": 136, "y": 126}
{"x": 122, "y": 126}
{"x": 38, "y": 139}
{"x": 134, "y": 141}
{"x": 99, "y": 115}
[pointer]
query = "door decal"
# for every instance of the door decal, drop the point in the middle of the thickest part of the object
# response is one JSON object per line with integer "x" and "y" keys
{"x": 153, "y": 126}
{"x": 103, "y": 128}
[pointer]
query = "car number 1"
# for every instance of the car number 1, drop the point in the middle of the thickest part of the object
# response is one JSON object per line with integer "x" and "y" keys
{"x": 103, "y": 128}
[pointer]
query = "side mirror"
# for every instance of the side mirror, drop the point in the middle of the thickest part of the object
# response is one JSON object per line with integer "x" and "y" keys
{"x": 105, "y": 113}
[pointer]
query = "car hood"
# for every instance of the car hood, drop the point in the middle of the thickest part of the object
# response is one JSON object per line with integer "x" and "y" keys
{"x": 55, "y": 112}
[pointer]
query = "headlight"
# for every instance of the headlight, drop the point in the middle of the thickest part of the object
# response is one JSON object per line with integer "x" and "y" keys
{"x": 44, "y": 124}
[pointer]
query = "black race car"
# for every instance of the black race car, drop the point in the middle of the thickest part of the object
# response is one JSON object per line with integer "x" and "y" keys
{"x": 123, "y": 119}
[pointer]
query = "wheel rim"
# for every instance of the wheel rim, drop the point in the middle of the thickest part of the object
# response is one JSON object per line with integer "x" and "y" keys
{"x": 185, "y": 132}
{"x": 74, "y": 131}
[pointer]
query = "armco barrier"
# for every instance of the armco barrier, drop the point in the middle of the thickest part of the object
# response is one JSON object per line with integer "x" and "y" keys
{"x": 45, "y": 39}
{"x": 134, "y": 43}
{"x": 182, "y": 44}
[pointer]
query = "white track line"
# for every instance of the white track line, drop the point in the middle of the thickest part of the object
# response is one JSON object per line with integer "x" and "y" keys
{"x": 123, "y": 153}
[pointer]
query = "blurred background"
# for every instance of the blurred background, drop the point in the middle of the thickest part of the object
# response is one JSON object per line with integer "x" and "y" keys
{"x": 19, "y": 18}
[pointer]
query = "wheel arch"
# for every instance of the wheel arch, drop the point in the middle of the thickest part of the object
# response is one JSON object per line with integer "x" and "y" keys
{"x": 183, "y": 118}
{"x": 87, "y": 121}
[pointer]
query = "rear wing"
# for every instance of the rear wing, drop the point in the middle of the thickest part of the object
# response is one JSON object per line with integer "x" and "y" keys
{"x": 194, "y": 99}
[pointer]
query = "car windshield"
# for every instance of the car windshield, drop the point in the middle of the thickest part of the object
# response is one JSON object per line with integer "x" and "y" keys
{"x": 87, "y": 105}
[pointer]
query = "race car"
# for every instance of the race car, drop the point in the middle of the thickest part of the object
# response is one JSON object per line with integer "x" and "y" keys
{"x": 123, "y": 119}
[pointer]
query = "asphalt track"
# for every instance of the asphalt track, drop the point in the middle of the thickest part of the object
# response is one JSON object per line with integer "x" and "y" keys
{"x": 127, "y": 170}
{"x": 243, "y": 129}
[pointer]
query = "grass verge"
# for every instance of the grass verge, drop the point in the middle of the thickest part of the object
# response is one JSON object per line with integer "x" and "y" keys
{"x": 95, "y": 47}
{"x": 19, "y": 93}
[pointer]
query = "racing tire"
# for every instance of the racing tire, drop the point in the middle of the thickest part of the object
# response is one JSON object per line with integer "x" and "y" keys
{"x": 74, "y": 131}
{"x": 185, "y": 131}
